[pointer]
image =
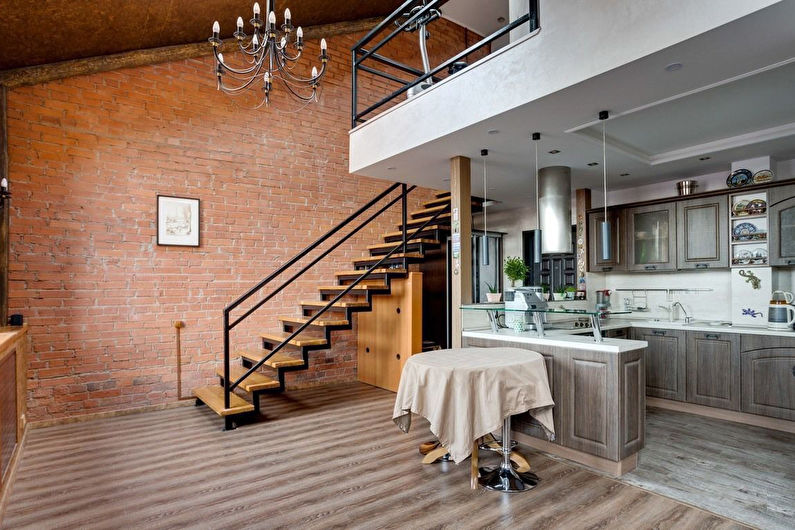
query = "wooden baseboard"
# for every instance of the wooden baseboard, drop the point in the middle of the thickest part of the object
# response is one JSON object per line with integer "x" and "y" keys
{"x": 11, "y": 473}
{"x": 184, "y": 402}
{"x": 723, "y": 414}
{"x": 614, "y": 469}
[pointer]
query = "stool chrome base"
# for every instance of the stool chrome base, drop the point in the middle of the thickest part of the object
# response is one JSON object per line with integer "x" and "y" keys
{"x": 505, "y": 477}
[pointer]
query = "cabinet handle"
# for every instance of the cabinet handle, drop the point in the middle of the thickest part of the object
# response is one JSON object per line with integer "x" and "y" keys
{"x": 607, "y": 269}
{"x": 712, "y": 336}
{"x": 658, "y": 332}
{"x": 793, "y": 370}
{"x": 791, "y": 262}
{"x": 702, "y": 265}
{"x": 650, "y": 267}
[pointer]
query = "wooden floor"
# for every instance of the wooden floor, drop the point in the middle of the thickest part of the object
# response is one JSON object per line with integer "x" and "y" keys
{"x": 325, "y": 457}
{"x": 746, "y": 473}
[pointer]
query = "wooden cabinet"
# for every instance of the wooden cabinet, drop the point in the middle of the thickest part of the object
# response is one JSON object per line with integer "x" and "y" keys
{"x": 390, "y": 333}
{"x": 702, "y": 233}
{"x": 767, "y": 368}
{"x": 781, "y": 215}
{"x": 651, "y": 237}
{"x": 713, "y": 369}
{"x": 666, "y": 362}
{"x": 618, "y": 258}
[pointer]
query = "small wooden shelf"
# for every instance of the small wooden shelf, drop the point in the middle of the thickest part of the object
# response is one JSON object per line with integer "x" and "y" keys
{"x": 744, "y": 217}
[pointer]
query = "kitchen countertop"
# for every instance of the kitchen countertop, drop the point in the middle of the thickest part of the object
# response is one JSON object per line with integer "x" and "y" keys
{"x": 619, "y": 323}
{"x": 567, "y": 338}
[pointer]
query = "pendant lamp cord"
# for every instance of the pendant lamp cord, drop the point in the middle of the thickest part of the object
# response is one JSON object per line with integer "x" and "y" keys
{"x": 604, "y": 164}
{"x": 485, "y": 199}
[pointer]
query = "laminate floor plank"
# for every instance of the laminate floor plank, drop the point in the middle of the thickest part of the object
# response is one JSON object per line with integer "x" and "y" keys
{"x": 324, "y": 457}
{"x": 744, "y": 472}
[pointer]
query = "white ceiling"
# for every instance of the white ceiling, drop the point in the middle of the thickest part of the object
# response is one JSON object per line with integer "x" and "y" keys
{"x": 733, "y": 99}
{"x": 481, "y": 16}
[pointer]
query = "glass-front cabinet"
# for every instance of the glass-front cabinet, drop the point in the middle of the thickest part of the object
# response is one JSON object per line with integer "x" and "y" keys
{"x": 618, "y": 250}
{"x": 782, "y": 226}
{"x": 652, "y": 237}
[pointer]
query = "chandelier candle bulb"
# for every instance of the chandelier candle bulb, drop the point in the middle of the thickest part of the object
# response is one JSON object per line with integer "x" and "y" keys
{"x": 271, "y": 20}
{"x": 314, "y": 72}
{"x": 323, "y": 45}
{"x": 287, "y": 16}
{"x": 256, "y": 10}
{"x": 216, "y": 29}
{"x": 240, "y": 23}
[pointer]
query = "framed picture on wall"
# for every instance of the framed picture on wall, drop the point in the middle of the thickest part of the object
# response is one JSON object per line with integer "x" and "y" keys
{"x": 177, "y": 221}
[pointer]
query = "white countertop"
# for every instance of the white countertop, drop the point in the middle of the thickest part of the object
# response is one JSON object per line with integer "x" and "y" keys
{"x": 566, "y": 338}
{"x": 698, "y": 326}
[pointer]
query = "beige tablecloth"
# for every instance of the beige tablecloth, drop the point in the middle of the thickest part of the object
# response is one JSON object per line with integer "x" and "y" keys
{"x": 466, "y": 393}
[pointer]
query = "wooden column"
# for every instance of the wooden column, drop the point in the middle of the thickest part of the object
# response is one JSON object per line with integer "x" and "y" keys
{"x": 583, "y": 200}
{"x": 4, "y": 206}
{"x": 461, "y": 219}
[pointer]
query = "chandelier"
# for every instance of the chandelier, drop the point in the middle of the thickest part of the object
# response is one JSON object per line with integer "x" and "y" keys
{"x": 268, "y": 56}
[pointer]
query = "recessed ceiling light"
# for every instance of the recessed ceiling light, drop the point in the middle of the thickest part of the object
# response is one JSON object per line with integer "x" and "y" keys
{"x": 624, "y": 174}
{"x": 391, "y": 168}
{"x": 593, "y": 164}
{"x": 704, "y": 158}
{"x": 445, "y": 180}
{"x": 501, "y": 20}
{"x": 493, "y": 131}
{"x": 673, "y": 67}
{"x": 554, "y": 151}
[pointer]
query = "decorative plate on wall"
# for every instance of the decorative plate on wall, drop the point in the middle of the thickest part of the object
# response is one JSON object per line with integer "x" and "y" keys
{"x": 762, "y": 176}
{"x": 739, "y": 178}
{"x": 739, "y": 208}
{"x": 756, "y": 207}
{"x": 744, "y": 229}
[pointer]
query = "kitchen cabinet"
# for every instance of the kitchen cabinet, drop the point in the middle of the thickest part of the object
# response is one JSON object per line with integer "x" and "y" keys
{"x": 665, "y": 360}
{"x": 618, "y": 258}
{"x": 652, "y": 237}
{"x": 767, "y": 367}
{"x": 781, "y": 216}
{"x": 713, "y": 369}
{"x": 702, "y": 233}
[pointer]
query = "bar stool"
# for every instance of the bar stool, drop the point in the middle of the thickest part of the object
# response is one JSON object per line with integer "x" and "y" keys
{"x": 504, "y": 477}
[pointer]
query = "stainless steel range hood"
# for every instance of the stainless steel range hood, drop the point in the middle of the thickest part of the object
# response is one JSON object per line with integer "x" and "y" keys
{"x": 554, "y": 206}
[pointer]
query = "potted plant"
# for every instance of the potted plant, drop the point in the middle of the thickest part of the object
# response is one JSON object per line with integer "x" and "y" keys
{"x": 545, "y": 290}
{"x": 494, "y": 295}
{"x": 515, "y": 270}
{"x": 569, "y": 292}
{"x": 560, "y": 294}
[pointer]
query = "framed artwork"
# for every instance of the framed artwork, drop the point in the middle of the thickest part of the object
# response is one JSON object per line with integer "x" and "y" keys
{"x": 177, "y": 221}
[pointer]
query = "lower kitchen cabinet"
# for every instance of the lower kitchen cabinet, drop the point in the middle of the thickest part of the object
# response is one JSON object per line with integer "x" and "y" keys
{"x": 665, "y": 362}
{"x": 713, "y": 369}
{"x": 767, "y": 367}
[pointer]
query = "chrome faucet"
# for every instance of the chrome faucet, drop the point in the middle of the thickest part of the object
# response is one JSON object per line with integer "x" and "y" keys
{"x": 688, "y": 318}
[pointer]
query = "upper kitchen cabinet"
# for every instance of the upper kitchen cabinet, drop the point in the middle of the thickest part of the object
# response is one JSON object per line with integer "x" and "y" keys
{"x": 652, "y": 237}
{"x": 618, "y": 254}
{"x": 781, "y": 216}
{"x": 702, "y": 233}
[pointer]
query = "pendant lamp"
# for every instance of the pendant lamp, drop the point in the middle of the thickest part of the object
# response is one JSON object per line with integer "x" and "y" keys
{"x": 607, "y": 244}
{"x": 537, "y": 232}
{"x": 484, "y": 254}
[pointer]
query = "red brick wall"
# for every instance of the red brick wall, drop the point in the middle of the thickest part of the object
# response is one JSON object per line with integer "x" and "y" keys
{"x": 89, "y": 154}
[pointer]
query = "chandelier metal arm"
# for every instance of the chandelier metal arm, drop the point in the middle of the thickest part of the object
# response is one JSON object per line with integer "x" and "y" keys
{"x": 253, "y": 68}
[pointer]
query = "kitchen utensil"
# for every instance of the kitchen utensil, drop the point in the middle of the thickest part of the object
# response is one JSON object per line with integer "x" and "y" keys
{"x": 780, "y": 314}
{"x": 686, "y": 187}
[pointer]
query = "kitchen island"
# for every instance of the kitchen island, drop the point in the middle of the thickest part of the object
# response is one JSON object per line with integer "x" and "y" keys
{"x": 598, "y": 389}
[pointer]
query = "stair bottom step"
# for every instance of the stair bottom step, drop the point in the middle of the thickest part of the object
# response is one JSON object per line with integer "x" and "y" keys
{"x": 213, "y": 397}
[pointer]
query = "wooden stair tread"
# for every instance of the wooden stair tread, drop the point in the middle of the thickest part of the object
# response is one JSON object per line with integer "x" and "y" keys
{"x": 398, "y": 243}
{"x": 442, "y": 194}
{"x": 376, "y": 271}
{"x": 436, "y": 202}
{"x": 342, "y": 304}
{"x": 213, "y": 397}
{"x": 278, "y": 360}
{"x": 420, "y": 220}
{"x": 397, "y": 255}
{"x": 410, "y": 231}
{"x": 360, "y": 287}
{"x": 252, "y": 383}
{"x": 427, "y": 212}
{"x": 320, "y": 322}
{"x": 279, "y": 336}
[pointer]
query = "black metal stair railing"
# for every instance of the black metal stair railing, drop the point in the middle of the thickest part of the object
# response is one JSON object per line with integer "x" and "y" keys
{"x": 360, "y": 54}
{"x": 229, "y": 386}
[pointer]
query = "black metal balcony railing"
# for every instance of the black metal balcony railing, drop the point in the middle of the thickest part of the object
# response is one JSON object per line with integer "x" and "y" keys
{"x": 369, "y": 55}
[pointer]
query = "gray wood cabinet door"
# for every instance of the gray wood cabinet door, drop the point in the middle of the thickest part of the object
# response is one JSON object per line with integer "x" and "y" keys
{"x": 713, "y": 369}
{"x": 618, "y": 259}
{"x": 666, "y": 362}
{"x": 767, "y": 367}
{"x": 702, "y": 233}
{"x": 651, "y": 238}
{"x": 781, "y": 215}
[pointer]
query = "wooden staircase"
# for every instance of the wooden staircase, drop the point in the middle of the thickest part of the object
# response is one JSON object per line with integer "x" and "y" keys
{"x": 318, "y": 335}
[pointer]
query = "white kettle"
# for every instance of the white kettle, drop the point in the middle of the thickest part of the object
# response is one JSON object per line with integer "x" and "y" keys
{"x": 780, "y": 312}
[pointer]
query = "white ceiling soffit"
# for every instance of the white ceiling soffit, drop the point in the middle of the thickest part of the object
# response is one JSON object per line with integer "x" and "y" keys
{"x": 755, "y": 107}
{"x": 481, "y": 16}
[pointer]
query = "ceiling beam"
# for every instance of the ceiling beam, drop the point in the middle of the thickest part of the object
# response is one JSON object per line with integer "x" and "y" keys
{"x": 33, "y": 75}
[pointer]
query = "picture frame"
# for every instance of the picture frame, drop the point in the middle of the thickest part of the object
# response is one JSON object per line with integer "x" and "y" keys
{"x": 178, "y": 221}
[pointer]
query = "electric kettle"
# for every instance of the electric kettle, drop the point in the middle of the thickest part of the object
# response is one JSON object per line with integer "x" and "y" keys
{"x": 780, "y": 312}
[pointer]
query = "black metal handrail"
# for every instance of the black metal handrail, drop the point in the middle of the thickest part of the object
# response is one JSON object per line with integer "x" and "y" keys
{"x": 230, "y": 386}
{"x": 360, "y": 54}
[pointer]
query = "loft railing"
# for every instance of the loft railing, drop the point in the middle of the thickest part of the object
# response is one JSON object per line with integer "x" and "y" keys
{"x": 362, "y": 54}
{"x": 229, "y": 386}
